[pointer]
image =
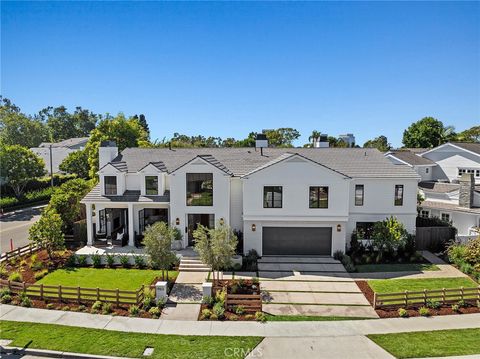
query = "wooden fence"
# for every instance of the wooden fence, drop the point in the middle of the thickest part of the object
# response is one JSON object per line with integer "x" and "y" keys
{"x": 75, "y": 294}
{"x": 20, "y": 251}
{"x": 444, "y": 296}
{"x": 250, "y": 302}
{"x": 428, "y": 238}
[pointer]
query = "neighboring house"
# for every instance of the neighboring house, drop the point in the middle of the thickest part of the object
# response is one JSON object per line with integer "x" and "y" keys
{"x": 450, "y": 182}
{"x": 298, "y": 201}
{"x": 59, "y": 151}
{"x": 348, "y": 138}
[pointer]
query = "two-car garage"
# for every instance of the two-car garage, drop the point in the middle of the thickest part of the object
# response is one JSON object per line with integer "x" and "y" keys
{"x": 297, "y": 241}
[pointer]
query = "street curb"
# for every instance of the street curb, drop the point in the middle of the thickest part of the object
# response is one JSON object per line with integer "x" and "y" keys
{"x": 53, "y": 353}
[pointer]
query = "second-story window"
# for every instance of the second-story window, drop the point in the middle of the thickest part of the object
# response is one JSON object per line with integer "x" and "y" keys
{"x": 199, "y": 189}
{"x": 151, "y": 185}
{"x": 398, "y": 195}
{"x": 359, "y": 192}
{"x": 110, "y": 185}
{"x": 272, "y": 197}
{"x": 318, "y": 197}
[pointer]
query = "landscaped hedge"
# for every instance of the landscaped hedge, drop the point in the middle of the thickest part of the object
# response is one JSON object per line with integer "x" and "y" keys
{"x": 29, "y": 197}
{"x": 38, "y": 184}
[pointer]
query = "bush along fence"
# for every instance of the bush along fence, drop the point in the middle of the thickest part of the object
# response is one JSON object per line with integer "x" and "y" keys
{"x": 76, "y": 294}
{"x": 443, "y": 296}
{"x": 20, "y": 251}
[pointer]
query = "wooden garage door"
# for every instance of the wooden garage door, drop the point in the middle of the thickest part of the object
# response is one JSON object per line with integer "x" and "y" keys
{"x": 297, "y": 241}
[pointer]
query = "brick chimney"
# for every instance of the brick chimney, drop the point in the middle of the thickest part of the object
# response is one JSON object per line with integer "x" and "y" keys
{"x": 467, "y": 188}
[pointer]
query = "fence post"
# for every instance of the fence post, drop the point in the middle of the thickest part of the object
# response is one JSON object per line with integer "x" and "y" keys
{"x": 118, "y": 298}
{"x": 375, "y": 300}
{"x": 9, "y": 285}
{"x": 443, "y": 295}
{"x": 425, "y": 297}
{"x": 406, "y": 298}
{"x": 461, "y": 293}
{"x": 60, "y": 293}
{"x": 24, "y": 288}
{"x": 78, "y": 294}
{"x": 41, "y": 291}
{"x": 98, "y": 293}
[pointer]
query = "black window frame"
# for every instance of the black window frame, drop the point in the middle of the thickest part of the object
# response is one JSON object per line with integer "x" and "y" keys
{"x": 316, "y": 198}
{"x": 273, "y": 201}
{"x": 109, "y": 186}
{"x": 190, "y": 179}
{"x": 155, "y": 179}
{"x": 398, "y": 199}
{"x": 359, "y": 201}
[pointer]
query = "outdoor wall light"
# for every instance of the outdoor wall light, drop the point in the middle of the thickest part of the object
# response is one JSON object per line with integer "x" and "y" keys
{"x": 339, "y": 227}
{"x": 222, "y": 221}
{"x": 177, "y": 221}
{"x": 254, "y": 227}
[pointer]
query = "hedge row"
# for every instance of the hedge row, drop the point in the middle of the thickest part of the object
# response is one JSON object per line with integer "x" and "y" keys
{"x": 29, "y": 197}
{"x": 38, "y": 184}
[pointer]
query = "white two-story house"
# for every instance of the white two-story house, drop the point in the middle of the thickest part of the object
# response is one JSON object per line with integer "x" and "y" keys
{"x": 295, "y": 201}
{"x": 450, "y": 182}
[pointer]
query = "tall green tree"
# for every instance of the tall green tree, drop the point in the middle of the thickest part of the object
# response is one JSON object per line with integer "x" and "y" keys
{"x": 17, "y": 128}
{"x": 426, "y": 133}
{"x": 282, "y": 137}
{"x": 158, "y": 240}
{"x": 76, "y": 163}
{"x": 470, "y": 135}
{"x": 143, "y": 122}
{"x": 380, "y": 143}
{"x": 125, "y": 132}
{"x": 47, "y": 232}
{"x": 18, "y": 165}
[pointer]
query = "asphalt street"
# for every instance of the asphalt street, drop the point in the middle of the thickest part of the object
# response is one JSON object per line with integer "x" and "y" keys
{"x": 15, "y": 225}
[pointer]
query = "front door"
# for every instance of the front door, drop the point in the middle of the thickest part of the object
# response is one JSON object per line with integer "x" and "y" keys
{"x": 205, "y": 219}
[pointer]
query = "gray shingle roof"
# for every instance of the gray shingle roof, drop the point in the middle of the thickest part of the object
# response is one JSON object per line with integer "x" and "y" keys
{"x": 441, "y": 187}
{"x": 353, "y": 162}
{"x": 411, "y": 158}
{"x": 129, "y": 196}
{"x": 469, "y": 146}
{"x": 449, "y": 207}
{"x": 66, "y": 143}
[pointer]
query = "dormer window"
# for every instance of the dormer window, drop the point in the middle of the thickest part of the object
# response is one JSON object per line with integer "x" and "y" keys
{"x": 151, "y": 185}
{"x": 110, "y": 185}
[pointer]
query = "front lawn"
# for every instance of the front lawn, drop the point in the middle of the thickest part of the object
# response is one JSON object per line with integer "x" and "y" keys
{"x": 123, "y": 344}
{"x": 396, "y": 267}
{"x": 309, "y": 318}
{"x": 430, "y": 344}
{"x": 123, "y": 279}
{"x": 401, "y": 285}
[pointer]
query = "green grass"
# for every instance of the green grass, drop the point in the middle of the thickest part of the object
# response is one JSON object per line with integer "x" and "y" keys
{"x": 309, "y": 318}
{"x": 399, "y": 267}
{"x": 430, "y": 344}
{"x": 124, "y": 279}
{"x": 401, "y": 285}
{"x": 123, "y": 344}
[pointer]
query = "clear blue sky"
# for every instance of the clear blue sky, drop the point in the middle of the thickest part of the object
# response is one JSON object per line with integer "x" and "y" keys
{"x": 226, "y": 69}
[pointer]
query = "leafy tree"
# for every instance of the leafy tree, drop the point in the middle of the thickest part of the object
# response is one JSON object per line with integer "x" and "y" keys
{"x": 282, "y": 137}
{"x": 380, "y": 143}
{"x": 66, "y": 201}
{"x": 470, "y": 135}
{"x": 427, "y": 132}
{"x": 389, "y": 235}
{"x": 216, "y": 246}
{"x": 18, "y": 129}
{"x": 76, "y": 163}
{"x": 47, "y": 232}
{"x": 125, "y": 132}
{"x": 18, "y": 165}
{"x": 143, "y": 122}
{"x": 158, "y": 240}
{"x": 247, "y": 142}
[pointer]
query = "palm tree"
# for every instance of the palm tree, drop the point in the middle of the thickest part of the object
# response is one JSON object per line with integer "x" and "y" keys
{"x": 314, "y": 136}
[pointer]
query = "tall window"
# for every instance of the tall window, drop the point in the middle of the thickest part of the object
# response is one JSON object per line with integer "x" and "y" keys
{"x": 199, "y": 189}
{"x": 151, "y": 185}
{"x": 272, "y": 197}
{"x": 359, "y": 194}
{"x": 399, "y": 195}
{"x": 445, "y": 217}
{"x": 318, "y": 197}
{"x": 110, "y": 185}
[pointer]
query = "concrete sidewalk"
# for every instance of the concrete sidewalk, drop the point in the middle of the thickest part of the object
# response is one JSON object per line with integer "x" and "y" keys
{"x": 270, "y": 329}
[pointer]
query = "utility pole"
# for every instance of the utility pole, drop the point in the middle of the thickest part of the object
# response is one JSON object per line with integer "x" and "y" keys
{"x": 51, "y": 166}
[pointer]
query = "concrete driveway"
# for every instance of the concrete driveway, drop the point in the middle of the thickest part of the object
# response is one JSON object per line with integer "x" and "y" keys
{"x": 314, "y": 286}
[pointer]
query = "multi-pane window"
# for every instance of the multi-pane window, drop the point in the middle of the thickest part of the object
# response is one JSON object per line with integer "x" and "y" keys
{"x": 445, "y": 217}
{"x": 272, "y": 197}
{"x": 110, "y": 185}
{"x": 359, "y": 190}
{"x": 199, "y": 189}
{"x": 151, "y": 185}
{"x": 424, "y": 213}
{"x": 399, "y": 195}
{"x": 318, "y": 197}
{"x": 475, "y": 172}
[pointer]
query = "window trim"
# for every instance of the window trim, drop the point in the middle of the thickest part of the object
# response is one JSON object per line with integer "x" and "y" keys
{"x": 400, "y": 203}
{"x": 105, "y": 186}
{"x": 363, "y": 195}
{"x": 318, "y": 197}
{"x": 146, "y": 189}
{"x": 273, "y": 197}
{"x": 425, "y": 210}
{"x": 446, "y": 213}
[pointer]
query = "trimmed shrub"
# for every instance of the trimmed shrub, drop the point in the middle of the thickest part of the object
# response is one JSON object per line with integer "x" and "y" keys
{"x": 206, "y": 313}
{"x": 148, "y": 300}
{"x": 82, "y": 261}
{"x": 402, "y": 312}
{"x": 208, "y": 300}
{"x": 125, "y": 261}
{"x": 433, "y": 304}
{"x": 25, "y": 301}
{"x": 424, "y": 312}
{"x": 96, "y": 260}
{"x": 239, "y": 310}
{"x": 5, "y": 299}
{"x": 133, "y": 310}
{"x": 220, "y": 296}
{"x": 71, "y": 261}
{"x": 455, "y": 308}
{"x": 260, "y": 317}
{"x": 66, "y": 308}
{"x": 154, "y": 312}
{"x": 161, "y": 303}
{"x": 139, "y": 262}
{"x": 218, "y": 310}
{"x": 50, "y": 306}
{"x": 110, "y": 259}
{"x": 15, "y": 277}
{"x": 97, "y": 306}
{"x": 107, "y": 308}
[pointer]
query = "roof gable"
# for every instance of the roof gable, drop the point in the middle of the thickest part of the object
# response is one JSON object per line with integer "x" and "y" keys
{"x": 470, "y": 147}
{"x": 206, "y": 159}
{"x": 117, "y": 166}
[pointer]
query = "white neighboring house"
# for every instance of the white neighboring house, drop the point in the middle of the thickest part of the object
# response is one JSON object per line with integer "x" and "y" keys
{"x": 59, "y": 151}
{"x": 300, "y": 201}
{"x": 450, "y": 182}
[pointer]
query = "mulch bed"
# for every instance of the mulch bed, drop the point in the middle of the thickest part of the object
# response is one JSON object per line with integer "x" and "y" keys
{"x": 392, "y": 312}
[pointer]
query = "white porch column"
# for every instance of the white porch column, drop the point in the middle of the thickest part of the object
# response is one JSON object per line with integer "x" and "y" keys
{"x": 89, "y": 224}
{"x": 131, "y": 232}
